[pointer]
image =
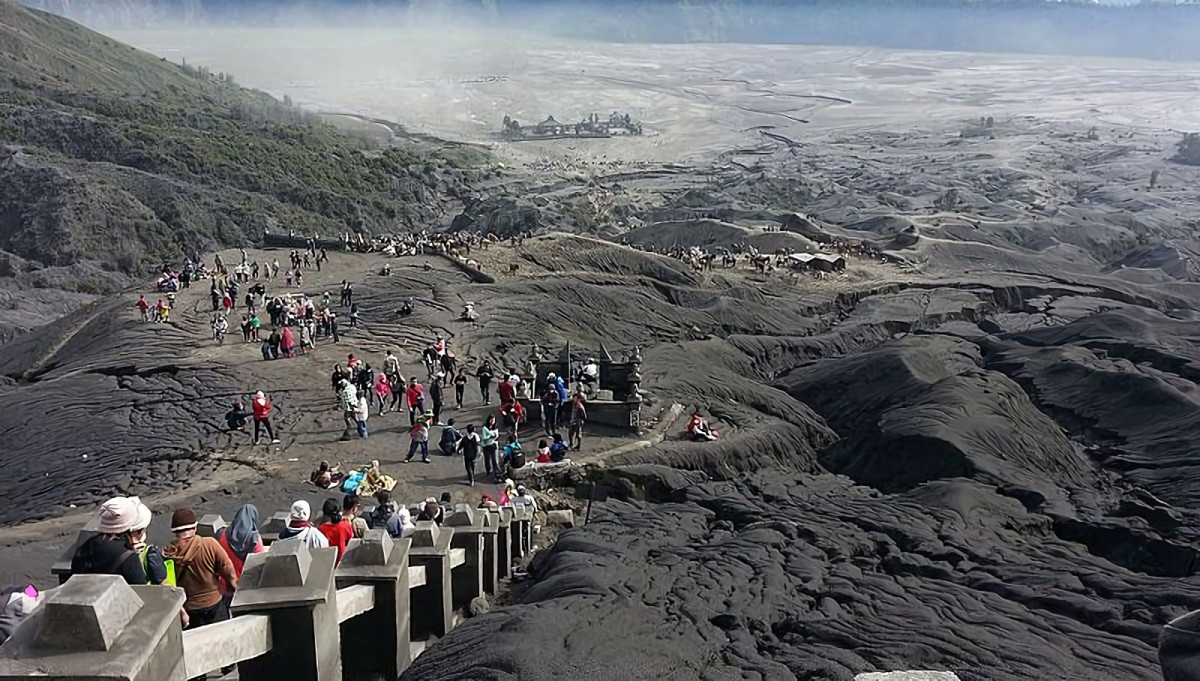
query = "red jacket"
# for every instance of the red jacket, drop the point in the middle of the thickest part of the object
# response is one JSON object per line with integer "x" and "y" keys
{"x": 507, "y": 391}
{"x": 262, "y": 408}
{"x": 414, "y": 395}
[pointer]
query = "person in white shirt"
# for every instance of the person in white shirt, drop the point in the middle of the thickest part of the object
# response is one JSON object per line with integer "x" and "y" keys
{"x": 301, "y": 530}
{"x": 524, "y": 498}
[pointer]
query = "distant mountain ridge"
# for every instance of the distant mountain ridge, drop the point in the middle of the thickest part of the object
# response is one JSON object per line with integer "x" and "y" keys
{"x": 1154, "y": 29}
{"x": 115, "y": 157}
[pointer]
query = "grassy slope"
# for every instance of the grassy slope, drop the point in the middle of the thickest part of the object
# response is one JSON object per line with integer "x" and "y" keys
{"x": 127, "y": 159}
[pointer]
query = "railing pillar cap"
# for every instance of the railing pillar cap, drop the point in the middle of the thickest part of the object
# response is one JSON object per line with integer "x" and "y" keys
{"x": 210, "y": 524}
{"x": 88, "y": 613}
{"x": 289, "y": 574}
{"x": 427, "y": 534}
{"x": 465, "y": 516}
{"x": 93, "y": 626}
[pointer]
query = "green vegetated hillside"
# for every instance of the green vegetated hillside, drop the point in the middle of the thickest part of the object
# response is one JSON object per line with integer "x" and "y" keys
{"x": 113, "y": 155}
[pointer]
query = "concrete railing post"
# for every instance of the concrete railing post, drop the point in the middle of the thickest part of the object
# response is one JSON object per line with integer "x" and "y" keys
{"x": 491, "y": 553}
{"x": 431, "y": 604}
{"x": 294, "y": 586}
{"x": 275, "y": 524}
{"x": 381, "y": 562}
{"x": 504, "y": 544}
{"x": 210, "y": 525}
{"x": 469, "y": 535}
{"x": 97, "y": 626}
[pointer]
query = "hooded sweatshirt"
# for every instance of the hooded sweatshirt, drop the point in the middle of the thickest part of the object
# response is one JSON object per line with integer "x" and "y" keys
{"x": 200, "y": 564}
{"x": 305, "y": 533}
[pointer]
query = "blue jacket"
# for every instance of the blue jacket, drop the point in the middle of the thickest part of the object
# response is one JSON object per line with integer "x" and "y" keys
{"x": 562, "y": 389}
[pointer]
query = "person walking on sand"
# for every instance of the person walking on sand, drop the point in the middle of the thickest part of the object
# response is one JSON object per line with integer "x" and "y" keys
{"x": 489, "y": 440}
{"x": 418, "y": 437}
{"x": 348, "y": 401}
{"x": 435, "y": 396}
{"x": 383, "y": 390}
{"x": 469, "y": 446}
{"x": 576, "y": 421}
{"x": 261, "y": 407}
{"x": 416, "y": 400}
{"x": 362, "y": 411}
{"x": 484, "y": 374}
{"x": 460, "y": 388}
{"x": 143, "y": 307}
{"x": 391, "y": 365}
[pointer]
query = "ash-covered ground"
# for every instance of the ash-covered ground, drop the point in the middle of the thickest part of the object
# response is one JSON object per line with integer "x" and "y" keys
{"x": 973, "y": 451}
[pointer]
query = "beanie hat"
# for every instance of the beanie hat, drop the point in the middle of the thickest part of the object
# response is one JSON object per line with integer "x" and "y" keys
{"x": 183, "y": 519}
{"x": 300, "y": 510}
{"x": 143, "y": 515}
{"x": 117, "y": 515}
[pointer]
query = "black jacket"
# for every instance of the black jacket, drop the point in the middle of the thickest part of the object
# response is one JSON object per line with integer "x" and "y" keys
{"x": 103, "y": 556}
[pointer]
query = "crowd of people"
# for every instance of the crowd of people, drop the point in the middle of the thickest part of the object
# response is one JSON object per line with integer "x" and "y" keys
{"x": 207, "y": 569}
{"x": 360, "y": 388}
{"x": 297, "y": 321}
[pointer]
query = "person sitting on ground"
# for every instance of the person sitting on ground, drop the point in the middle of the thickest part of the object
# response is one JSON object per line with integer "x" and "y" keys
{"x": 543, "y": 452}
{"x": 350, "y": 508}
{"x": 558, "y": 449}
{"x": 514, "y": 455}
{"x": 698, "y": 429}
{"x": 525, "y": 498}
{"x": 448, "y": 442}
{"x": 376, "y": 479}
{"x": 200, "y": 565}
{"x": 431, "y": 511}
{"x": 335, "y": 527}
{"x": 108, "y": 553}
{"x": 406, "y": 308}
{"x": 486, "y": 502}
{"x": 325, "y": 477}
{"x": 300, "y": 529}
{"x": 237, "y": 418}
{"x": 240, "y": 538}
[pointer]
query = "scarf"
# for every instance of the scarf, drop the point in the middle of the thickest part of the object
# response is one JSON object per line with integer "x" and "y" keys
{"x": 243, "y": 531}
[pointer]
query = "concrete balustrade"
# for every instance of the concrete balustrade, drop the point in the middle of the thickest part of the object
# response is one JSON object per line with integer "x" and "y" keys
{"x": 467, "y": 577}
{"x": 431, "y": 603}
{"x": 379, "y": 565}
{"x": 293, "y": 585}
{"x": 294, "y": 612}
{"x": 99, "y": 627}
{"x": 504, "y": 544}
